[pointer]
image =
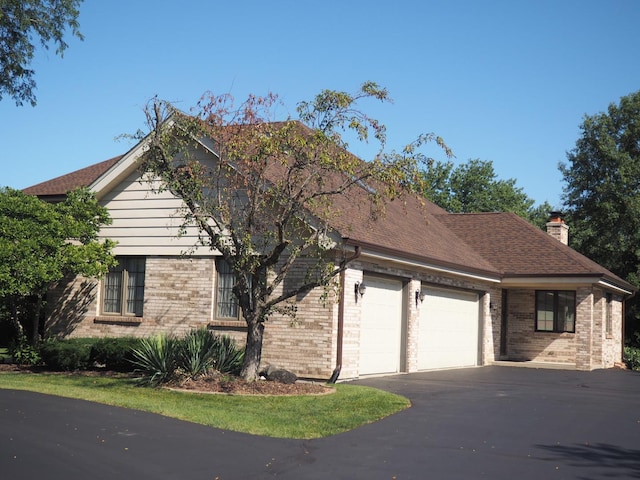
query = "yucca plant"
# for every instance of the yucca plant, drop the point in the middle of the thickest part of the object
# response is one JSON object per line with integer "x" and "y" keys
{"x": 162, "y": 359}
{"x": 156, "y": 359}
{"x": 196, "y": 352}
{"x": 227, "y": 356}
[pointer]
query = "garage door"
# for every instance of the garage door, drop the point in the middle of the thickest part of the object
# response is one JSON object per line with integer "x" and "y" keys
{"x": 448, "y": 329}
{"x": 381, "y": 326}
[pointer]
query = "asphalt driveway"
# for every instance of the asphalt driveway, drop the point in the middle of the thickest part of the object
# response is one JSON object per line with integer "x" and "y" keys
{"x": 493, "y": 422}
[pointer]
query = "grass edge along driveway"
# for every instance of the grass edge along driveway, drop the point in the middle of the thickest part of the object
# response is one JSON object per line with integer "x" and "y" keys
{"x": 297, "y": 417}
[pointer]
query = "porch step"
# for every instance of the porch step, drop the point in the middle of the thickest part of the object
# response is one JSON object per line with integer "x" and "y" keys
{"x": 532, "y": 364}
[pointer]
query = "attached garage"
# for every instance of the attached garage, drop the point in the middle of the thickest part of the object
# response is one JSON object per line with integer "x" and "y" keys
{"x": 448, "y": 329}
{"x": 381, "y": 326}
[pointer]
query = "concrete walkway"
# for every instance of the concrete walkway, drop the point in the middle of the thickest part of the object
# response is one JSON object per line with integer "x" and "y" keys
{"x": 493, "y": 422}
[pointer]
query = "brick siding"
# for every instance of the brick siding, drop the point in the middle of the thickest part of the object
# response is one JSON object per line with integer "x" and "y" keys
{"x": 590, "y": 347}
{"x": 179, "y": 296}
{"x": 524, "y": 343}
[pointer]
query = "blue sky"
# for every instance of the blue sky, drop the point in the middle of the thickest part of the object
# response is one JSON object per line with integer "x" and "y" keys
{"x": 506, "y": 81}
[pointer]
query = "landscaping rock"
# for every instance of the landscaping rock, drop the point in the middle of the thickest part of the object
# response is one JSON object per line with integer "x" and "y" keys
{"x": 279, "y": 375}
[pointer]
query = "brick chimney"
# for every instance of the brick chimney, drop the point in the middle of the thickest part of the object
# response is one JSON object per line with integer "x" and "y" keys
{"x": 557, "y": 228}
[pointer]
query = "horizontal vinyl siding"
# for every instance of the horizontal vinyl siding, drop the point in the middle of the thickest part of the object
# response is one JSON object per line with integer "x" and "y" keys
{"x": 145, "y": 222}
{"x": 144, "y": 240}
{"x": 149, "y": 204}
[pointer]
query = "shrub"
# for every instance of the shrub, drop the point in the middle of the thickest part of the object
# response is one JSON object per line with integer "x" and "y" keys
{"x": 227, "y": 356}
{"x": 162, "y": 358}
{"x": 156, "y": 360}
{"x": 196, "y": 352}
{"x": 87, "y": 353}
{"x": 23, "y": 353}
{"x": 202, "y": 350}
{"x": 67, "y": 355}
{"x": 632, "y": 357}
{"x": 115, "y": 353}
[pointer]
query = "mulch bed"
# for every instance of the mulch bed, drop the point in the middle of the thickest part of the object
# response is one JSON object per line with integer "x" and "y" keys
{"x": 237, "y": 386}
{"x": 221, "y": 384}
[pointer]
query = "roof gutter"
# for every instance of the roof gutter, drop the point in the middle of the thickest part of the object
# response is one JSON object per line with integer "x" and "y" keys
{"x": 617, "y": 288}
{"x": 340, "y": 338}
{"x": 566, "y": 281}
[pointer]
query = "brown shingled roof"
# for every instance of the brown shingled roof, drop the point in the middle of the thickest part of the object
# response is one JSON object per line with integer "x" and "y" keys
{"x": 409, "y": 228}
{"x": 518, "y": 249}
{"x": 406, "y": 229}
{"x": 496, "y": 244}
{"x": 60, "y": 186}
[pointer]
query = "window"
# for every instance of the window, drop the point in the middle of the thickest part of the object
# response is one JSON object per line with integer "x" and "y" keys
{"x": 609, "y": 315}
{"x": 124, "y": 287}
{"x": 226, "y": 302}
{"x": 555, "y": 311}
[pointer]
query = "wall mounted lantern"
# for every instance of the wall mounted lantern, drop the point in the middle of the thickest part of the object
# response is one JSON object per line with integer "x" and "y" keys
{"x": 419, "y": 296}
{"x": 359, "y": 289}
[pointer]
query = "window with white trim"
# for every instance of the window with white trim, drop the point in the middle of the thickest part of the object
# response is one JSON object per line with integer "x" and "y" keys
{"x": 226, "y": 301}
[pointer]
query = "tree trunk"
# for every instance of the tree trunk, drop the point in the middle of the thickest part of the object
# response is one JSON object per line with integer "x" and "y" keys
{"x": 15, "y": 320}
{"x": 35, "y": 334}
{"x": 253, "y": 351}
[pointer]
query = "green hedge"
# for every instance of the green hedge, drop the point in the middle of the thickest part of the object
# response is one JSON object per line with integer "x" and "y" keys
{"x": 632, "y": 357}
{"x": 115, "y": 353}
{"x": 67, "y": 355}
{"x": 88, "y": 353}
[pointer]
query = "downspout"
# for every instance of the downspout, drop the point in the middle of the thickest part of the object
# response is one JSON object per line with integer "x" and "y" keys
{"x": 624, "y": 327}
{"x": 340, "y": 337}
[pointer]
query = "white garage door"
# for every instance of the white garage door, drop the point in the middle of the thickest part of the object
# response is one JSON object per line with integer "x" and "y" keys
{"x": 448, "y": 329}
{"x": 381, "y": 326}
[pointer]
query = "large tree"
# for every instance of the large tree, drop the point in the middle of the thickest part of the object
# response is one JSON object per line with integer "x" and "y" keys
{"x": 269, "y": 203}
{"x": 474, "y": 187}
{"x": 41, "y": 243}
{"x": 602, "y": 192}
{"x": 22, "y": 23}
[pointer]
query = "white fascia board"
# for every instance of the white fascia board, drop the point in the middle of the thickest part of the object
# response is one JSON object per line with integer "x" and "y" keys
{"x": 128, "y": 163}
{"x": 119, "y": 171}
{"x": 562, "y": 282}
{"x": 428, "y": 266}
{"x": 611, "y": 286}
{"x": 549, "y": 281}
{"x": 208, "y": 144}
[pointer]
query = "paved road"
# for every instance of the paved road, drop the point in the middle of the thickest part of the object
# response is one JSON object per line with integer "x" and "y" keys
{"x": 493, "y": 422}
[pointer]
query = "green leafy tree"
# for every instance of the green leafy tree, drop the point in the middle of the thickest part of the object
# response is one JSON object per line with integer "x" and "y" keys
{"x": 474, "y": 187}
{"x": 41, "y": 243}
{"x": 602, "y": 192}
{"x": 22, "y": 22}
{"x": 268, "y": 204}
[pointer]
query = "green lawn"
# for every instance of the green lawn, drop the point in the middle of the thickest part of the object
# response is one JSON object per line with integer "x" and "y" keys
{"x": 279, "y": 416}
